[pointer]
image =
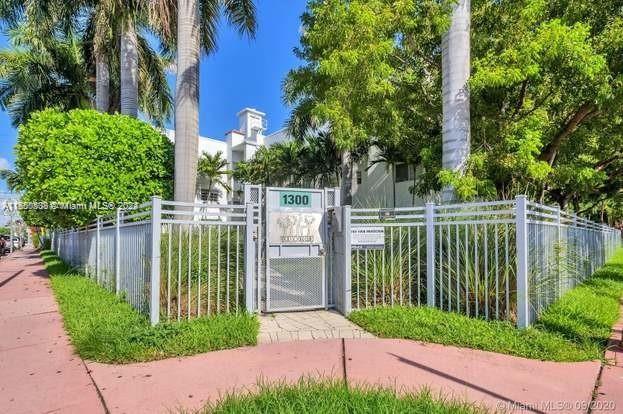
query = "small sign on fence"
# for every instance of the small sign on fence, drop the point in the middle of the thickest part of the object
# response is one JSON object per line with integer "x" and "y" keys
{"x": 367, "y": 238}
{"x": 387, "y": 214}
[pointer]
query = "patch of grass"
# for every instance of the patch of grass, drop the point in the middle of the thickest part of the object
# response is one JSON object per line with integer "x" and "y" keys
{"x": 104, "y": 328}
{"x": 575, "y": 328}
{"x": 334, "y": 398}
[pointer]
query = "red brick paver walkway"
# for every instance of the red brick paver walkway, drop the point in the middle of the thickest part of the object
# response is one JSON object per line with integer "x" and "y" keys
{"x": 609, "y": 397}
{"x": 39, "y": 372}
{"x": 31, "y": 381}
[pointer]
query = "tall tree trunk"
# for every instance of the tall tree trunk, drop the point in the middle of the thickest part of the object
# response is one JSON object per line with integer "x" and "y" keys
{"x": 456, "y": 106}
{"x": 346, "y": 183}
{"x": 129, "y": 70}
{"x": 187, "y": 100}
{"x": 102, "y": 82}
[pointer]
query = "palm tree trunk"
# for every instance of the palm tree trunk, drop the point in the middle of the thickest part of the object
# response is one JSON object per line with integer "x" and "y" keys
{"x": 346, "y": 184}
{"x": 102, "y": 82}
{"x": 129, "y": 70}
{"x": 456, "y": 105}
{"x": 187, "y": 100}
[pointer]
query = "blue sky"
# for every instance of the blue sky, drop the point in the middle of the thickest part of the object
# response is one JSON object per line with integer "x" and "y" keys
{"x": 241, "y": 73}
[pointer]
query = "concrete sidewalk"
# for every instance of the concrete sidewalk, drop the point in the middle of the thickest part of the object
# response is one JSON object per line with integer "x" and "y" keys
{"x": 39, "y": 372}
{"x": 498, "y": 381}
{"x": 609, "y": 397}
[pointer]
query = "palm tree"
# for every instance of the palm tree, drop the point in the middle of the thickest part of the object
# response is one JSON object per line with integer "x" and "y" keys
{"x": 95, "y": 23}
{"x": 289, "y": 155}
{"x": 321, "y": 160}
{"x": 54, "y": 71}
{"x": 13, "y": 181}
{"x": 456, "y": 102}
{"x": 213, "y": 168}
{"x": 196, "y": 30}
{"x": 40, "y": 73}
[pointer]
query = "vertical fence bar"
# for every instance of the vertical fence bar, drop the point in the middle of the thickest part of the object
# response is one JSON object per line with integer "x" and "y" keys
{"x": 98, "y": 248}
{"x": 347, "y": 277}
{"x": 154, "y": 290}
{"x": 249, "y": 260}
{"x": 430, "y": 254}
{"x": 558, "y": 253}
{"x": 118, "y": 252}
{"x": 523, "y": 299}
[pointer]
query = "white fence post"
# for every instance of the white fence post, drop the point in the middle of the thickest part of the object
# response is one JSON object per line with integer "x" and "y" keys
{"x": 154, "y": 290}
{"x": 347, "y": 262}
{"x": 523, "y": 297}
{"x": 97, "y": 251}
{"x": 559, "y": 254}
{"x": 249, "y": 260}
{"x": 118, "y": 252}
{"x": 430, "y": 254}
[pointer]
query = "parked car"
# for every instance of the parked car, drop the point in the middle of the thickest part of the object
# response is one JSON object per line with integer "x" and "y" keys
{"x": 17, "y": 244}
{"x": 6, "y": 240}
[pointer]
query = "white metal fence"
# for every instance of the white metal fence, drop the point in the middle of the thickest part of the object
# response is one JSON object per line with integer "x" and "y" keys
{"x": 495, "y": 260}
{"x": 504, "y": 260}
{"x": 169, "y": 260}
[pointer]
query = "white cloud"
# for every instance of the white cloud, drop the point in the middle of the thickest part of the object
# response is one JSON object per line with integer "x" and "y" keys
{"x": 4, "y": 164}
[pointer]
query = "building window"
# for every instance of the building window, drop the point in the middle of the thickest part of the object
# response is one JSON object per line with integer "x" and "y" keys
{"x": 358, "y": 177}
{"x": 210, "y": 196}
{"x": 402, "y": 172}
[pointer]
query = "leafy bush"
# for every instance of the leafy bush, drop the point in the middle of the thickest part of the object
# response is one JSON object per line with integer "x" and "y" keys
{"x": 84, "y": 157}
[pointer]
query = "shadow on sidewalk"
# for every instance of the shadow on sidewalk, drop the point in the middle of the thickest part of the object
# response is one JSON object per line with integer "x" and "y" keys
{"x": 462, "y": 382}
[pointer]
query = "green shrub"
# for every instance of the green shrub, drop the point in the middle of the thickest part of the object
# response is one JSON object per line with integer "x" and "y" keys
{"x": 84, "y": 157}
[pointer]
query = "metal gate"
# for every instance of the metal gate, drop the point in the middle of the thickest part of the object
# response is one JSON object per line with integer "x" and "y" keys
{"x": 292, "y": 269}
{"x": 296, "y": 234}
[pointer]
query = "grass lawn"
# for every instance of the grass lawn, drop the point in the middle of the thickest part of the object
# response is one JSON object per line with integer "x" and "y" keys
{"x": 104, "y": 328}
{"x": 335, "y": 398}
{"x": 575, "y": 328}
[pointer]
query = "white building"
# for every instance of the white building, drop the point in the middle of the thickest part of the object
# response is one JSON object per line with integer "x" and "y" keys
{"x": 373, "y": 185}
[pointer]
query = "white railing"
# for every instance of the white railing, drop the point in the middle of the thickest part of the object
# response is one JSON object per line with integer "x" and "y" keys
{"x": 493, "y": 260}
{"x": 504, "y": 260}
{"x": 169, "y": 260}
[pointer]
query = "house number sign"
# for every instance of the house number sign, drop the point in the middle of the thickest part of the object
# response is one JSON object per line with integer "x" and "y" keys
{"x": 294, "y": 199}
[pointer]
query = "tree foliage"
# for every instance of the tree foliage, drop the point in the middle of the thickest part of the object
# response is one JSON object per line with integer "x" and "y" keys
{"x": 40, "y": 73}
{"x": 546, "y": 92}
{"x": 51, "y": 61}
{"x": 313, "y": 161}
{"x": 213, "y": 168}
{"x": 84, "y": 157}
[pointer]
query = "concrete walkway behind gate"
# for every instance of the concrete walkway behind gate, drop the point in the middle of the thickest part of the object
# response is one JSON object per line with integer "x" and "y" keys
{"x": 39, "y": 373}
{"x": 301, "y": 326}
